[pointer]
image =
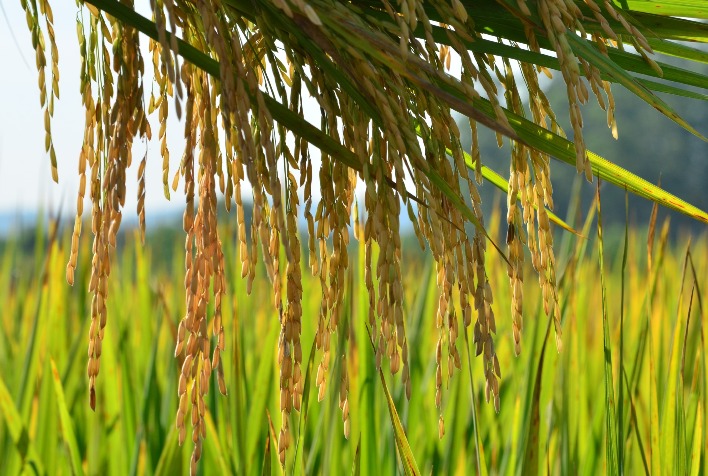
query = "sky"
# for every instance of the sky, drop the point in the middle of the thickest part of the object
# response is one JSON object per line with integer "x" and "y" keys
{"x": 25, "y": 172}
{"x": 26, "y": 185}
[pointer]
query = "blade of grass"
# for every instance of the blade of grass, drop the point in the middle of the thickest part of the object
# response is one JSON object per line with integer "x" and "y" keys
{"x": 67, "y": 426}
{"x": 213, "y": 449}
{"x": 302, "y": 425}
{"x": 634, "y": 425}
{"x": 673, "y": 402}
{"x": 607, "y": 66}
{"x": 696, "y": 451}
{"x": 479, "y": 454}
{"x": 620, "y": 401}
{"x": 45, "y": 441}
{"x": 532, "y": 456}
{"x": 681, "y": 445}
{"x": 261, "y": 390}
{"x": 356, "y": 467}
{"x": 702, "y": 350}
{"x": 145, "y": 404}
{"x": 677, "y": 8}
{"x": 18, "y": 430}
{"x": 612, "y": 466}
{"x": 655, "y": 429}
{"x": 266, "y": 468}
{"x": 410, "y": 467}
{"x": 170, "y": 461}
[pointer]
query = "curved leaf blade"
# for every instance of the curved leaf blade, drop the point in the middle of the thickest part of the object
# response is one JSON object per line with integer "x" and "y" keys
{"x": 674, "y": 8}
{"x": 17, "y": 429}
{"x": 607, "y": 66}
{"x": 67, "y": 425}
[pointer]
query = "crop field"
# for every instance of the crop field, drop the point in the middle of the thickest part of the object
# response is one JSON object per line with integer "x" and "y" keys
{"x": 627, "y": 390}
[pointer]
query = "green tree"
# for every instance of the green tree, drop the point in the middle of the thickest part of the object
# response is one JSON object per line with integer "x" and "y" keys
{"x": 237, "y": 72}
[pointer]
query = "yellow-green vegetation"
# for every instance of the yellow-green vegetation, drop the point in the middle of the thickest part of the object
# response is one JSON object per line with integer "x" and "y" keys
{"x": 557, "y": 412}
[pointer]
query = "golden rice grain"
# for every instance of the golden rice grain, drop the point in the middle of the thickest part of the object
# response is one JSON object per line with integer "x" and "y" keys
{"x": 229, "y": 124}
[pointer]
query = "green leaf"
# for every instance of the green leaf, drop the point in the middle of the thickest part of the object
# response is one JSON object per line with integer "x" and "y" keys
{"x": 356, "y": 467}
{"x": 672, "y": 28}
{"x": 410, "y": 467}
{"x": 66, "y": 423}
{"x": 305, "y": 406}
{"x": 532, "y": 452}
{"x": 170, "y": 458}
{"x": 678, "y": 50}
{"x": 611, "y": 451}
{"x": 562, "y": 149}
{"x": 213, "y": 448}
{"x": 672, "y": 403}
{"x": 609, "y": 67}
{"x": 674, "y": 8}
{"x": 261, "y": 390}
{"x": 657, "y": 440}
{"x": 18, "y": 430}
{"x": 696, "y": 451}
{"x": 266, "y": 469}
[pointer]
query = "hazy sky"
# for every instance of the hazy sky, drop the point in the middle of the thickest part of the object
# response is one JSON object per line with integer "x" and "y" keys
{"x": 25, "y": 173}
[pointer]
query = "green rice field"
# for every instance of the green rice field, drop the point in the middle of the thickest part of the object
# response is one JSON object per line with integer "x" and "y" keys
{"x": 626, "y": 394}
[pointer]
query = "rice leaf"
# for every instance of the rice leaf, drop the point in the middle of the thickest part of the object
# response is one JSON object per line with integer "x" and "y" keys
{"x": 609, "y": 67}
{"x": 696, "y": 451}
{"x": 18, "y": 430}
{"x": 261, "y": 390}
{"x": 267, "y": 469}
{"x": 302, "y": 425}
{"x": 532, "y": 455}
{"x": 410, "y": 467}
{"x": 170, "y": 461}
{"x": 356, "y": 467}
{"x": 213, "y": 448}
{"x": 478, "y": 450}
{"x": 620, "y": 402}
{"x": 673, "y": 398}
{"x": 66, "y": 423}
{"x": 677, "y": 8}
{"x": 611, "y": 451}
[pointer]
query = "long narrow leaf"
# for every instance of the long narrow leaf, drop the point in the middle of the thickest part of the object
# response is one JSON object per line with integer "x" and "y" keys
{"x": 410, "y": 467}
{"x": 610, "y": 418}
{"x": 67, "y": 426}
{"x": 607, "y": 66}
{"x": 532, "y": 455}
{"x": 18, "y": 431}
{"x": 527, "y": 131}
{"x": 676, "y": 8}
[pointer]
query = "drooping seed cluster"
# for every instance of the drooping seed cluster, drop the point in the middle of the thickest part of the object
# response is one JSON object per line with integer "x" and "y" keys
{"x": 562, "y": 18}
{"x": 111, "y": 124}
{"x": 386, "y": 97}
{"x": 204, "y": 262}
{"x": 47, "y": 95}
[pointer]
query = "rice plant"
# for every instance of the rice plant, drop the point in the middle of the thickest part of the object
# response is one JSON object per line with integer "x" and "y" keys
{"x": 238, "y": 73}
{"x": 553, "y": 412}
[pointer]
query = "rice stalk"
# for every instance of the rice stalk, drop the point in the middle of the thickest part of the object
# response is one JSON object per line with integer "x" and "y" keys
{"x": 386, "y": 97}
